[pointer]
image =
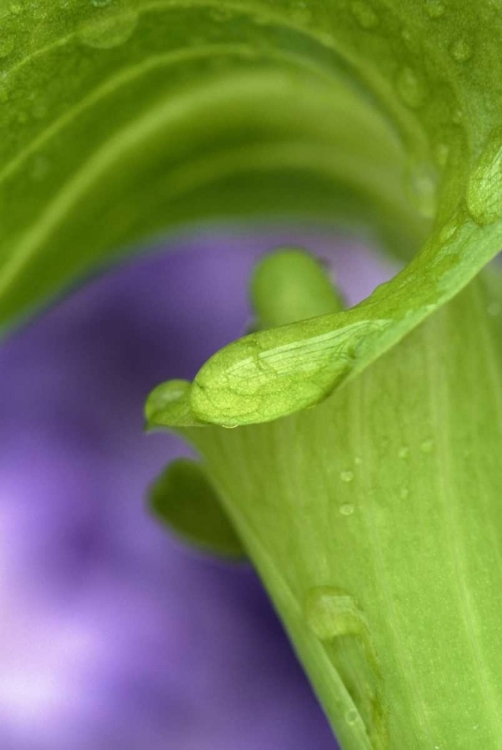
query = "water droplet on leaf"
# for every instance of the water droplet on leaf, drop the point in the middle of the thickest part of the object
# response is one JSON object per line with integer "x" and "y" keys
{"x": 347, "y": 509}
{"x": 352, "y": 716}
{"x": 347, "y": 476}
{"x": 404, "y": 452}
{"x": 331, "y": 612}
{"x": 410, "y": 89}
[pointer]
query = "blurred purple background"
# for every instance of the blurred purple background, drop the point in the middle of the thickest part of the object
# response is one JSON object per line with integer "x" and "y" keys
{"x": 112, "y": 635}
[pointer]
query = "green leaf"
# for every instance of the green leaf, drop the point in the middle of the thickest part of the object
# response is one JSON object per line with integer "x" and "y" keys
{"x": 183, "y": 498}
{"x": 375, "y": 522}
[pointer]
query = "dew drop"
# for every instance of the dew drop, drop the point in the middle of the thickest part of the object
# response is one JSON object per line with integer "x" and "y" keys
{"x": 352, "y": 716}
{"x": 347, "y": 509}
{"x": 421, "y": 188}
{"x": 426, "y": 446}
{"x": 404, "y": 452}
{"x": 331, "y": 612}
{"x": 346, "y": 476}
{"x": 435, "y": 8}
{"x": 364, "y": 15}
{"x": 410, "y": 89}
{"x": 484, "y": 192}
{"x": 358, "y": 461}
{"x": 6, "y": 46}
{"x": 111, "y": 27}
{"x": 461, "y": 50}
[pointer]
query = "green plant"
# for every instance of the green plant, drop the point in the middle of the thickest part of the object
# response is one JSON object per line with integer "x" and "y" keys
{"x": 363, "y": 478}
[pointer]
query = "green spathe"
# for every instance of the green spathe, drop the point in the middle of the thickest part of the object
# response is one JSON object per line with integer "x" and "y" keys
{"x": 394, "y": 608}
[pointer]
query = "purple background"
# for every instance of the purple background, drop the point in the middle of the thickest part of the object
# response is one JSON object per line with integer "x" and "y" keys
{"x": 112, "y": 635}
